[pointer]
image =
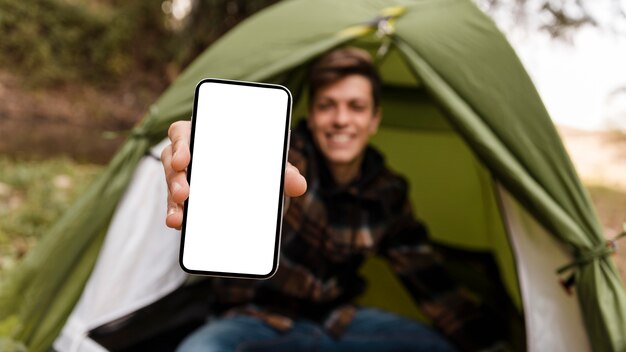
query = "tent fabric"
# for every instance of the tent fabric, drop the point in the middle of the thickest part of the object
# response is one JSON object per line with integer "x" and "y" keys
{"x": 456, "y": 54}
{"x": 559, "y": 326}
{"x": 527, "y": 157}
{"x": 460, "y": 185}
{"x": 74, "y": 338}
{"x": 124, "y": 280}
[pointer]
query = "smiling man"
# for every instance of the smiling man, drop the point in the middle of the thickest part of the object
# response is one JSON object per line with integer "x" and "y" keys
{"x": 342, "y": 117}
{"x": 354, "y": 208}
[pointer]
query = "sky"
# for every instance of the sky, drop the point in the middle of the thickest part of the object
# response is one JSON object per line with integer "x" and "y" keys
{"x": 580, "y": 81}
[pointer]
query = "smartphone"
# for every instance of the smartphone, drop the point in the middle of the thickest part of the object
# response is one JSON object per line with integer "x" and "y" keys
{"x": 239, "y": 143}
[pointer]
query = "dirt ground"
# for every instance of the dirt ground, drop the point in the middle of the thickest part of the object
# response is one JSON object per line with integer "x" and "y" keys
{"x": 600, "y": 160}
{"x": 85, "y": 122}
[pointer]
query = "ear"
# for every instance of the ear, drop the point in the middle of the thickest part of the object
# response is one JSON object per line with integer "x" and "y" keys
{"x": 376, "y": 117}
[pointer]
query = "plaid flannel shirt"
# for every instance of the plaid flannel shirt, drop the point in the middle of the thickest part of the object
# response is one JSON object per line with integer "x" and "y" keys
{"x": 329, "y": 232}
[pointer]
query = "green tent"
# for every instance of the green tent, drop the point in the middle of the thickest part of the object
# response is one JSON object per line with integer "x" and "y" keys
{"x": 462, "y": 121}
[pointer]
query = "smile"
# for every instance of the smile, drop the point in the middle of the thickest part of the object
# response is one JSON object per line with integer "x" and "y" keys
{"x": 340, "y": 138}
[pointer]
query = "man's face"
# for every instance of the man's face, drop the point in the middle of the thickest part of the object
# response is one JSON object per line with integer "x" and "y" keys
{"x": 342, "y": 117}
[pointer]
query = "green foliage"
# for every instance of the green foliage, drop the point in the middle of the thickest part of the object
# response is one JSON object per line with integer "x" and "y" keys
{"x": 210, "y": 19}
{"x": 33, "y": 194}
{"x": 103, "y": 41}
{"x": 46, "y": 38}
{"x": 55, "y": 41}
{"x": 136, "y": 38}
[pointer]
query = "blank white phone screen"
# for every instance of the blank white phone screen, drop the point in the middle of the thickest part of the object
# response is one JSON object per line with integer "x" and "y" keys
{"x": 234, "y": 211}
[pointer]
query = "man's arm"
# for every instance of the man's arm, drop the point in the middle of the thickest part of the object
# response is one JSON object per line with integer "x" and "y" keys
{"x": 175, "y": 158}
{"x": 450, "y": 308}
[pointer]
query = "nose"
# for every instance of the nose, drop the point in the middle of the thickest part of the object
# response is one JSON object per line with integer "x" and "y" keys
{"x": 341, "y": 117}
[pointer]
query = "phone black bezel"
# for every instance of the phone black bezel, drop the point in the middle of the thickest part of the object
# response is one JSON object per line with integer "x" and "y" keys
{"x": 282, "y": 181}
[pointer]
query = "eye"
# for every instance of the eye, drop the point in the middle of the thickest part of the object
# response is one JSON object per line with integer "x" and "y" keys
{"x": 324, "y": 105}
{"x": 358, "y": 106}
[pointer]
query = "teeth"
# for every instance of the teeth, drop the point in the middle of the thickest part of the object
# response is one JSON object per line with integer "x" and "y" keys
{"x": 340, "y": 138}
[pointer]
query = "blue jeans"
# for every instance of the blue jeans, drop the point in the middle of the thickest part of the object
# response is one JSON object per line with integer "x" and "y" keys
{"x": 371, "y": 330}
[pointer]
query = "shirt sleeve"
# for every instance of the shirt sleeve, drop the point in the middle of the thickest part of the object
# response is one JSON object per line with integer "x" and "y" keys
{"x": 450, "y": 308}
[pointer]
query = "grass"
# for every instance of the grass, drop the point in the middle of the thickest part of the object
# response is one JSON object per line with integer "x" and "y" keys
{"x": 33, "y": 194}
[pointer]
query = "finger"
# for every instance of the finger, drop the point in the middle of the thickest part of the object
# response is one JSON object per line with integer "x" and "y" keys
{"x": 174, "y": 218}
{"x": 295, "y": 184}
{"x": 177, "y": 184}
{"x": 166, "y": 160}
{"x": 178, "y": 187}
{"x": 179, "y": 134}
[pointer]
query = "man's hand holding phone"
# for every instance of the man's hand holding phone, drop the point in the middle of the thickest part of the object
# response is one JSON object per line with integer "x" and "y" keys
{"x": 176, "y": 157}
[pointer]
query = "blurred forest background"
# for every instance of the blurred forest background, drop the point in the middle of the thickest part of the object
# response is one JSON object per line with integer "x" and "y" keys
{"x": 77, "y": 75}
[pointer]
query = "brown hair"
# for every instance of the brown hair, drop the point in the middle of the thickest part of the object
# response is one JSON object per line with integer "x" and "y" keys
{"x": 339, "y": 63}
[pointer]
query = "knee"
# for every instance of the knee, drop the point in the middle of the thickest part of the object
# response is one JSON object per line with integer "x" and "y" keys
{"x": 225, "y": 335}
{"x": 206, "y": 344}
